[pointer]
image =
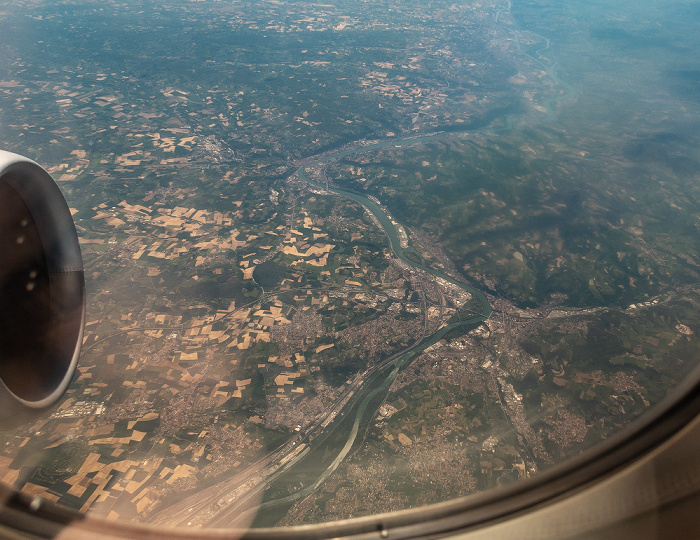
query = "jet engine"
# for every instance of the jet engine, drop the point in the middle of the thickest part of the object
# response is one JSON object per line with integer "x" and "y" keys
{"x": 42, "y": 292}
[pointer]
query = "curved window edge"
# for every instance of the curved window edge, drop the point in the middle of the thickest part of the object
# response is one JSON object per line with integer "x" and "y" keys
{"x": 671, "y": 430}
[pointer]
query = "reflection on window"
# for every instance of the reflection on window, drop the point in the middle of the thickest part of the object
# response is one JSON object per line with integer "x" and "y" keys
{"x": 354, "y": 258}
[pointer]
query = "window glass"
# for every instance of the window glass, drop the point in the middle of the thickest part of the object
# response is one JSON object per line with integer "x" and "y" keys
{"x": 355, "y": 257}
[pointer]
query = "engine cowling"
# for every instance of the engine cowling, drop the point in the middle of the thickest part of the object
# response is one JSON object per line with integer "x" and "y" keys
{"x": 42, "y": 292}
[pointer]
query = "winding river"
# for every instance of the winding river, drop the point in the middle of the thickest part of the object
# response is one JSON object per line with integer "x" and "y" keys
{"x": 326, "y": 450}
{"x": 327, "y": 445}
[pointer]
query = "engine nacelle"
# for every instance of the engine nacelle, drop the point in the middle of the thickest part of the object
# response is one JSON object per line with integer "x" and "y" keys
{"x": 42, "y": 292}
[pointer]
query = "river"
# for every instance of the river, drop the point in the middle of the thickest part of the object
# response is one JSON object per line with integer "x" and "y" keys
{"x": 306, "y": 461}
{"x": 327, "y": 447}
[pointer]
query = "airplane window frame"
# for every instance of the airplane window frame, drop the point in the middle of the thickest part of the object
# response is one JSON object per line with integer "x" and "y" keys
{"x": 23, "y": 514}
